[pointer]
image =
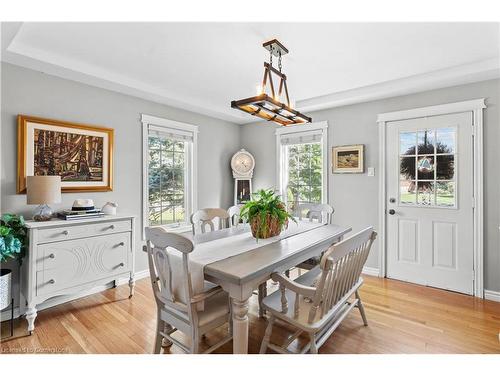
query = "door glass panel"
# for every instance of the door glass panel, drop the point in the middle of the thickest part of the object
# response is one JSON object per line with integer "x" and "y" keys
{"x": 425, "y": 193}
{"x": 445, "y": 193}
{"x": 407, "y": 192}
{"x": 425, "y": 168}
{"x": 426, "y": 142}
{"x": 445, "y": 167}
{"x": 407, "y": 142}
{"x": 407, "y": 168}
{"x": 445, "y": 141}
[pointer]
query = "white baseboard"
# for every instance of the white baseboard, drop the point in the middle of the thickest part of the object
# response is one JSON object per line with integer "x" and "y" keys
{"x": 371, "y": 271}
{"x": 5, "y": 315}
{"x": 492, "y": 295}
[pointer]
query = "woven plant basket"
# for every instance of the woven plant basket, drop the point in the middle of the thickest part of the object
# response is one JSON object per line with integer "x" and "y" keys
{"x": 272, "y": 228}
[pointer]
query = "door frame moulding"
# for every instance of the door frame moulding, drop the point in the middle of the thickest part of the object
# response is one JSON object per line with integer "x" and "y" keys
{"x": 475, "y": 106}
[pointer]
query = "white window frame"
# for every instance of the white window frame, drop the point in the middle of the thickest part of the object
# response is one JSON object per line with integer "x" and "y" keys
{"x": 280, "y": 160}
{"x": 190, "y": 178}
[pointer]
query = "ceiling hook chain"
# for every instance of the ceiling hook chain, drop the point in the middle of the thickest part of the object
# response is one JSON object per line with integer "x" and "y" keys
{"x": 279, "y": 59}
{"x": 271, "y": 56}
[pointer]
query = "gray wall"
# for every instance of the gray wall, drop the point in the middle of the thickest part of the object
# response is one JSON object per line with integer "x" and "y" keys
{"x": 33, "y": 93}
{"x": 355, "y": 197}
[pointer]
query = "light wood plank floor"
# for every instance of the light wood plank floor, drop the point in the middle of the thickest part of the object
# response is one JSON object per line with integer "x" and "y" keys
{"x": 403, "y": 318}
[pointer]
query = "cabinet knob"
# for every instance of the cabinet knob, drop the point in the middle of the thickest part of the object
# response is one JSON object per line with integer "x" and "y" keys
{"x": 52, "y": 256}
{"x": 121, "y": 244}
{"x": 52, "y": 281}
{"x": 111, "y": 227}
{"x": 121, "y": 264}
{"x": 65, "y": 232}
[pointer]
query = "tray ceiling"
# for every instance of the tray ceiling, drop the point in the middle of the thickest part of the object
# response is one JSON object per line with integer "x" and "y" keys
{"x": 203, "y": 66}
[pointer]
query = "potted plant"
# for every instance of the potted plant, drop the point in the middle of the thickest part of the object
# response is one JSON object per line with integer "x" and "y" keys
{"x": 13, "y": 244}
{"x": 266, "y": 214}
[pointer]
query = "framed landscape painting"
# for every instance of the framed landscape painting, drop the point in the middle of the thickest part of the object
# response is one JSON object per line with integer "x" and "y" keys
{"x": 81, "y": 154}
{"x": 348, "y": 159}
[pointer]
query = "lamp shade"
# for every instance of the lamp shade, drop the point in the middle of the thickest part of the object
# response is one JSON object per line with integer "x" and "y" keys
{"x": 43, "y": 189}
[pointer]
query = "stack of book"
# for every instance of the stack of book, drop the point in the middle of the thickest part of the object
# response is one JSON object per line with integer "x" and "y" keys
{"x": 79, "y": 214}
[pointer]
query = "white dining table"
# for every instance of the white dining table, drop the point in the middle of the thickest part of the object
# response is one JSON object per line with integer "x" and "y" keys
{"x": 241, "y": 274}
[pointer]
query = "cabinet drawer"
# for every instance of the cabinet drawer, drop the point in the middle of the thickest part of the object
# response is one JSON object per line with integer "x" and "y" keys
{"x": 70, "y": 263}
{"x": 83, "y": 230}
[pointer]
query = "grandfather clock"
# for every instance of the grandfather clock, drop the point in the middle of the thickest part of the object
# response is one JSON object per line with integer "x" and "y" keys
{"x": 242, "y": 164}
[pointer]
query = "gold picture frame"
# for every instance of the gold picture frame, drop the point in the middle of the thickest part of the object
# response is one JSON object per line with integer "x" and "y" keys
{"x": 348, "y": 159}
{"x": 81, "y": 154}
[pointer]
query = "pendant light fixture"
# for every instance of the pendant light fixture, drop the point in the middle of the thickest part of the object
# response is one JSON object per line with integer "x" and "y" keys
{"x": 272, "y": 108}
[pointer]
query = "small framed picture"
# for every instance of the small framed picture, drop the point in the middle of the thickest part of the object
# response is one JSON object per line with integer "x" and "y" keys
{"x": 348, "y": 159}
{"x": 81, "y": 154}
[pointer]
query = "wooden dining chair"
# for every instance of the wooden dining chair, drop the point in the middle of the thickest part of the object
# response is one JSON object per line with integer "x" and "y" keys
{"x": 317, "y": 302}
{"x": 234, "y": 215}
{"x": 172, "y": 314}
{"x": 206, "y": 216}
{"x": 320, "y": 212}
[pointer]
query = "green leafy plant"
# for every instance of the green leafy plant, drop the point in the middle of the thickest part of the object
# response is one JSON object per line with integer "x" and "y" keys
{"x": 266, "y": 214}
{"x": 13, "y": 237}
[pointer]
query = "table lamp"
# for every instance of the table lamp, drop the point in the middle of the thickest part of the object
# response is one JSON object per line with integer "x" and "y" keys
{"x": 43, "y": 190}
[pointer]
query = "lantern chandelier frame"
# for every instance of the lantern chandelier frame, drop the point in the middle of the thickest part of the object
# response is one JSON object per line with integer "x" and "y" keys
{"x": 270, "y": 108}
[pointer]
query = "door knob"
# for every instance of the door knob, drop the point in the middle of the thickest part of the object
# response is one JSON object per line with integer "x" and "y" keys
{"x": 391, "y": 212}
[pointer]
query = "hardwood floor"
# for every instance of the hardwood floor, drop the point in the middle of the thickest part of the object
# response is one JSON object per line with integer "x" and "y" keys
{"x": 403, "y": 318}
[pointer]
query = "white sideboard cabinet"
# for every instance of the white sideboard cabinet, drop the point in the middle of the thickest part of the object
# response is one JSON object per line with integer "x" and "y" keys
{"x": 71, "y": 257}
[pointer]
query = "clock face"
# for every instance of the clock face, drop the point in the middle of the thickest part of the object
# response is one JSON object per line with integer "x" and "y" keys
{"x": 242, "y": 163}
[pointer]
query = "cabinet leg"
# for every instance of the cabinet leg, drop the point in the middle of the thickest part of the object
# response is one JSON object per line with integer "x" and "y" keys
{"x": 31, "y": 314}
{"x": 131, "y": 284}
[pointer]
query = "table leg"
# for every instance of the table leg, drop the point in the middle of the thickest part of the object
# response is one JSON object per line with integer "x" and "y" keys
{"x": 240, "y": 326}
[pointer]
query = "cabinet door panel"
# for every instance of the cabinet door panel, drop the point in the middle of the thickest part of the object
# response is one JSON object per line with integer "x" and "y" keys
{"x": 66, "y": 264}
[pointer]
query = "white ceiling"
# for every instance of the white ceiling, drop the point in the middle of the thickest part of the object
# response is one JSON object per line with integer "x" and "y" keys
{"x": 203, "y": 66}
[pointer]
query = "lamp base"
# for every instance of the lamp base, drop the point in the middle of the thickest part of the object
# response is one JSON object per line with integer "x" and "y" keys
{"x": 43, "y": 213}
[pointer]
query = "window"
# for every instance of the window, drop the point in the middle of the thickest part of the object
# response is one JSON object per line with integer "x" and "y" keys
{"x": 427, "y": 165}
{"x": 302, "y": 164}
{"x": 169, "y": 172}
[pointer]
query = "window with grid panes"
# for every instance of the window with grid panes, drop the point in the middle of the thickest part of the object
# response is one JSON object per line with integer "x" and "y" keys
{"x": 167, "y": 170}
{"x": 168, "y": 188}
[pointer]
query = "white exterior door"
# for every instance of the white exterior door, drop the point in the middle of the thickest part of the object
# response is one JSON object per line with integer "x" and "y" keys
{"x": 430, "y": 201}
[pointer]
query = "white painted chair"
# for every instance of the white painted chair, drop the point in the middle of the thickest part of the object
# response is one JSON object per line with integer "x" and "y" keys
{"x": 318, "y": 301}
{"x": 234, "y": 215}
{"x": 320, "y": 212}
{"x": 206, "y": 216}
{"x": 173, "y": 314}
